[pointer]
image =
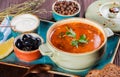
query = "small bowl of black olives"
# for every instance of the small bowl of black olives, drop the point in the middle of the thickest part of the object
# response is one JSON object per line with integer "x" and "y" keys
{"x": 62, "y": 9}
{"x": 26, "y": 46}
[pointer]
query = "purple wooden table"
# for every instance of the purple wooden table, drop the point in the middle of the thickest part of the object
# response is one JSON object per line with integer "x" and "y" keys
{"x": 47, "y": 5}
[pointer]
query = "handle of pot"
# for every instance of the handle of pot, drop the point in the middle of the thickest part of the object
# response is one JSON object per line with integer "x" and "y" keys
{"x": 45, "y": 50}
{"x": 108, "y": 32}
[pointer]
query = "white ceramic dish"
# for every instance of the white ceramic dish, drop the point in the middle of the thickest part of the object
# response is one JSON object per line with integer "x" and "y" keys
{"x": 66, "y": 60}
{"x": 99, "y": 12}
{"x": 25, "y": 23}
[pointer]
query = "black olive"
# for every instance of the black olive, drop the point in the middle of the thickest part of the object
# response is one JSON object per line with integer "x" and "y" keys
{"x": 27, "y": 43}
{"x": 26, "y": 37}
{"x": 33, "y": 40}
{"x": 26, "y": 48}
{"x": 34, "y": 48}
{"x": 19, "y": 44}
{"x": 38, "y": 41}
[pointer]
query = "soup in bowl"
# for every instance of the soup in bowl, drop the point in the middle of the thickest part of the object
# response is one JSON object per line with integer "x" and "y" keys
{"x": 75, "y": 43}
{"x": 76, "y": 37}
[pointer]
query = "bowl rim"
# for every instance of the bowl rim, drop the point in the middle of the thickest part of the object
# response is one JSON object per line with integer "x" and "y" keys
{"x": 79, "y": 6}
{"x": 31, "y": 51}
{"x": 19, "y": 16}
{"x": 83, "y": 20}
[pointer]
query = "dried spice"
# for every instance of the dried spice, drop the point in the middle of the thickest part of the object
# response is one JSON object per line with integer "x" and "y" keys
{"x": 30, "y": 6}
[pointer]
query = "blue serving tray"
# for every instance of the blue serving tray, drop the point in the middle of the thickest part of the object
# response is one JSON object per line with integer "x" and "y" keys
{"x": 112, "y": 46}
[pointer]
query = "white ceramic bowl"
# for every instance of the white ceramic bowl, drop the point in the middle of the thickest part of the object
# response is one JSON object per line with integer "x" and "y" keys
{"x": 25, "y": 23}
{"x": 73, "y": 61}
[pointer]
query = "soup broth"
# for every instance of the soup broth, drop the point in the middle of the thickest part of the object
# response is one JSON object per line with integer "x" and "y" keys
{"x": 61, "y": 39}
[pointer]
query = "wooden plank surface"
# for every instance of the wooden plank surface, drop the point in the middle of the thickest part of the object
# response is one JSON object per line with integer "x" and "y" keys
{"x": 47, "y": 5}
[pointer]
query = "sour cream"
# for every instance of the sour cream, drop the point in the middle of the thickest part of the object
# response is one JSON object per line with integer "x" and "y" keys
{"x": 25, "y": 23}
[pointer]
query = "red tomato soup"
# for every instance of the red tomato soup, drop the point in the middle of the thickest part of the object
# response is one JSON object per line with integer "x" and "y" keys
{"x": 62, "y": 39}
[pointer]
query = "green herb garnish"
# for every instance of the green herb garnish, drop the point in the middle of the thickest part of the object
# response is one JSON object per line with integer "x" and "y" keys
{"x": 75, "y": 42}
{"x": 70, "y": 32}
{"x": 83, "y": 39}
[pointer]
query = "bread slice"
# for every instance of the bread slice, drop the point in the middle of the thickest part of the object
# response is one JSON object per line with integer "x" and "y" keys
{"x": 93, "y": 73}
{"x": 110, "y": 70}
